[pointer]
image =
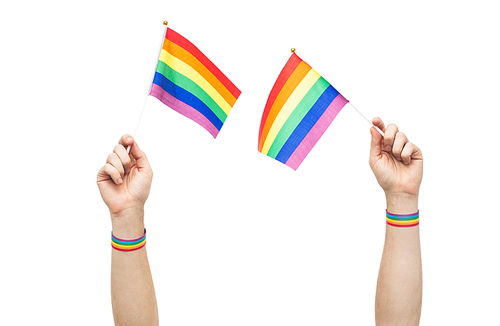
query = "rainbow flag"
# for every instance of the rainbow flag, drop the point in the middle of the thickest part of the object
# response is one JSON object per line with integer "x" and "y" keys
{"x": 300, "y": 107}
{"x": 189, "y": 83}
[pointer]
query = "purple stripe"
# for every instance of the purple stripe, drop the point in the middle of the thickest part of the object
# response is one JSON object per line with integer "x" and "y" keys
{"x": 184, "y": 109}
{"x": 402, "y": 214}
{"x": 112, "y": 236}
{"x": 316, "y": 132}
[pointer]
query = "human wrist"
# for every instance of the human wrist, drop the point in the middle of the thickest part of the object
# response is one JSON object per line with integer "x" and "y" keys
{"x": 128, "y": 224}
{"x": 401, "y": 203}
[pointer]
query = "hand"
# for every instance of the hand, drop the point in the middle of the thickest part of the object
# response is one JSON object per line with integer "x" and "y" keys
{"x": 125, "y": 180}
{"x": 396, "y": 162}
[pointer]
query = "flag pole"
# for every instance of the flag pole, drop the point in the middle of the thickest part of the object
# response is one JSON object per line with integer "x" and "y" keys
{"x": 378, "y": 129}
{"x": 160, "y": 45}
{"x": 150, "y": 84}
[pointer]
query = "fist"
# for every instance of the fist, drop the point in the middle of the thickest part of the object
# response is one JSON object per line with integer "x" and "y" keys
{"x": 396, "y": 162}
{"x": 125, "y": 180}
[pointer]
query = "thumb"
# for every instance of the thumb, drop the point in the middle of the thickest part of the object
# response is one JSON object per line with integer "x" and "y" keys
{"x": 376, "y": 147}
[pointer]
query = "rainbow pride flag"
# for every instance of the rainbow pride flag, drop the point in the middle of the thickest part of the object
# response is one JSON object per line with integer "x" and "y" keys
{"x": 189, "y": 83}
{"x": 300, "y": 107}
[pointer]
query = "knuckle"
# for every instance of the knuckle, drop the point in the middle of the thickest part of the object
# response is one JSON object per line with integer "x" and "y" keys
{"x": 109, "y": 169}
{"x": 409, "y": 148}
{"x": 122, "y": 154}
{"x": 392, "y": 129}
{"x": 114, "y": 173}
{"x": 118, "y": 148}
{"x": 126, "y": 160}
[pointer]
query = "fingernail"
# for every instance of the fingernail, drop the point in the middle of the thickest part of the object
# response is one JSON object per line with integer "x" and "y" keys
{"x": 120, "y": 181}
{"x": 388, "y": 148}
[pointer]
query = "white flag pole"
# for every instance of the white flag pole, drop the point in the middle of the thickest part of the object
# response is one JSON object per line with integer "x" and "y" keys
{"x": 160, "y": 46}
{"x": 150, "y": 84}
{"x": 378, "y": 129}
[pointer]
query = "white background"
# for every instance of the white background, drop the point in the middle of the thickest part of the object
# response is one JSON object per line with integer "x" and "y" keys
{"x": 234, "y": 237}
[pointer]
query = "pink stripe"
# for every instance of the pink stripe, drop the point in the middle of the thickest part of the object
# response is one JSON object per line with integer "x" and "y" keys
{"x": 184, "y": 109}
{"x": 316, "y": 132}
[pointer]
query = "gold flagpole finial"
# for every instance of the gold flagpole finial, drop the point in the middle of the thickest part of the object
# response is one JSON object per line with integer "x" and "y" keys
{"x": 165, "y": 22}
{"x": 293, "y": 50}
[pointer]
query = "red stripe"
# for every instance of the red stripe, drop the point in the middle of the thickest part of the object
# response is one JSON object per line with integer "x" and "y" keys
{"x": 128, "y": 249}
{"x": 191, "y": 48}
{"x": 402, "y": 226}
{"x": 287, "y": 71}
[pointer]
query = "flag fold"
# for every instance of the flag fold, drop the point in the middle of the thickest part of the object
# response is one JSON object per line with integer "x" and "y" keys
{"x": 300, "y": 107}
{"x": 189, "y": 83}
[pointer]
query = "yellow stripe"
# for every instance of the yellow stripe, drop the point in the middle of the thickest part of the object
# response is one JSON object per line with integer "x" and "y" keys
{"x": 129, "y": 247}
{"x": 298, "y": 94}
{"x": 182, "y": 68}
{"x": 402, "y": 222}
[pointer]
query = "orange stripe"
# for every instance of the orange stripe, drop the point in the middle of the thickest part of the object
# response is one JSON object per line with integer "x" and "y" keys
{"x": 183, "y": 55}
{"x": 402, "y": 222}
{"x": 191, "y": 48}
{"x": 120, "y": 249}
{"x": 290, "y": 85}
{"x": 410, "y": 223}
{"x": 117, "y": 245}
{"x": 402, "y": 225}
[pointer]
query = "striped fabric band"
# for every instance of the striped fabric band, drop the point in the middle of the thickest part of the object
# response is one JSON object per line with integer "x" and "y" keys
{"x": 189, "y": 83}
{"x": 128, "y": 245}
{"x": 300, "y": 107}
{"x": 402, "y": 220}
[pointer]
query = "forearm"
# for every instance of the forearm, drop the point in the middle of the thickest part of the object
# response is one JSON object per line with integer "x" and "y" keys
{"x": 132, "y": 290}
{"x": 399, "y": 288}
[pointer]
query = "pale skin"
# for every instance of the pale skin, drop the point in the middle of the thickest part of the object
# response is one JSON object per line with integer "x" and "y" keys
{"x": 398, "y": 164}
{"x": 124, "y": 183}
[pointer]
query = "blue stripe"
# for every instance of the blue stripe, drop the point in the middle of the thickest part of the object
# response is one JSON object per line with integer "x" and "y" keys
{"x": 307, "y": 123}
{"x": 127, "y": 243}
{"x": 182, "y": 95}
{"x": 402, "y": 218}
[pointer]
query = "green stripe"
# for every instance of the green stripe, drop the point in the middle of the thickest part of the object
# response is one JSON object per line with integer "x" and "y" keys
{"x": 405, "y": 219}
{"x": 190, "y": 86}
{"x": 297, "y": 115}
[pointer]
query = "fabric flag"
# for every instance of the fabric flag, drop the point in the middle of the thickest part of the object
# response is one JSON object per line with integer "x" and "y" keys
{"x": 189, "y": 83}
{"x": 300, "y": 107}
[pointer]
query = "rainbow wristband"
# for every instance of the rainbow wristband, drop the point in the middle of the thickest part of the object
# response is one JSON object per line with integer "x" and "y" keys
{"x": 128, "y": 245}
{"x": 402, "y": 220}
